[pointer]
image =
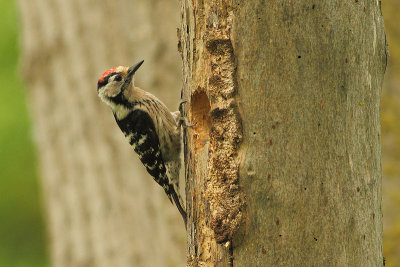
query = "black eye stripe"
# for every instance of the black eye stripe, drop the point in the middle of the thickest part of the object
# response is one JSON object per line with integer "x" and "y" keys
{"x": 105, "y": 80}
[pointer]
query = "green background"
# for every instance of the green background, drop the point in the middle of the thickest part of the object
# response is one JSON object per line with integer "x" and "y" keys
{"x": 22, "y": 239}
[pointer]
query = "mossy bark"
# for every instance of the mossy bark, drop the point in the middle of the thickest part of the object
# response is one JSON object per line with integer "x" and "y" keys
{"x": 284, "y": 164}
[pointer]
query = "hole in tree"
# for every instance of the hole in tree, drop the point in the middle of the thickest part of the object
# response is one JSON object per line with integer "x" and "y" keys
{"x": 200, "y": 106}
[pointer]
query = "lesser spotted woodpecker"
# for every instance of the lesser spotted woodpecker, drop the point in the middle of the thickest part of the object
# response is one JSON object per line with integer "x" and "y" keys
{"x": 152, "y": 131}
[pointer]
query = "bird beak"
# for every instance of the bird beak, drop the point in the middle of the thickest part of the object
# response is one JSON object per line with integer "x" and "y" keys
{"x": 129, "y": 76}
{"x": 133, "y": 69}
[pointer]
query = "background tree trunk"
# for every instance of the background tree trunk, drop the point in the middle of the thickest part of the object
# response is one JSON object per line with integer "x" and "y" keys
{"x": 306, "y": 77}
{"x": 102, "y": 207}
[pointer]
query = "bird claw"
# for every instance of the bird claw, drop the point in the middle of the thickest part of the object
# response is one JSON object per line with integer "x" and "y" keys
{"x": 183, "y": 121}
{"x": 180, "y": 105}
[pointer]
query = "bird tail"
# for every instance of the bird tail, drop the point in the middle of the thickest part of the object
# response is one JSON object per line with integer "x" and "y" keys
{"x": 178, "y": 202}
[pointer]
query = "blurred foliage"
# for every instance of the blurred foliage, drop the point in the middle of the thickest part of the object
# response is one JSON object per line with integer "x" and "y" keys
{"x": 391, "y": 137}
{"x": 390, "y": 10}
{"x": 22, "y": 241}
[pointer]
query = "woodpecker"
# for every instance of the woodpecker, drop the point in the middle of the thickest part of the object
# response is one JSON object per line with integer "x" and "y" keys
{"x": 151, "y": 129}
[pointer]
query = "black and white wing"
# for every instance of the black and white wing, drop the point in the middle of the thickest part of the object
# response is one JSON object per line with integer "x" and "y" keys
{"x": 139, "y": 128}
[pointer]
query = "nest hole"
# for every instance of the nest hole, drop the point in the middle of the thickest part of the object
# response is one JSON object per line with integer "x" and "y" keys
{"x": 200, "y": 106}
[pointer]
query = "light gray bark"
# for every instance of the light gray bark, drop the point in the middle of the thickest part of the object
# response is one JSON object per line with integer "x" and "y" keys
{"x": 103, "y": 209}
{"x": 306, "y": 77}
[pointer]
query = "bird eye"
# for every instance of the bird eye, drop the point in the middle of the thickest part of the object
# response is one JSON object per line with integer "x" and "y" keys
{"x": 118, "y": 78}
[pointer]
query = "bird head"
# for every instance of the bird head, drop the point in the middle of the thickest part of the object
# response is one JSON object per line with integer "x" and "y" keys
{"x": 113, "y": 83}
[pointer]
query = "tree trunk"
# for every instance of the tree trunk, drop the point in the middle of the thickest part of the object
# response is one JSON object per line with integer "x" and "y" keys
{"x": 286, "y": 96}
{"x": 103, "y": 209}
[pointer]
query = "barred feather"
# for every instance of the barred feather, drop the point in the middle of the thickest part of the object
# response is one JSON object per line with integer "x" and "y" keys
{"x": 150, "y": 128}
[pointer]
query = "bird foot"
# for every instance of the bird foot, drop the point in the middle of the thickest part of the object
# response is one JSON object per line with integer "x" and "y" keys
{"x": 183, "y": 121}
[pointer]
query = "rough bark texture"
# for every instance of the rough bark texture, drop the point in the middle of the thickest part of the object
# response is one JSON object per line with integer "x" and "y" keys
{"x": 306, "y": 77}
{"x": 214, "y": 200}
{"x": 102, "y": 207}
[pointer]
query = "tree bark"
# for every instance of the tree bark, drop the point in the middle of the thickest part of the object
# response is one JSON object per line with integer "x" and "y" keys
{"x": 103, "y": 209}
{"x": 286, "y": 96}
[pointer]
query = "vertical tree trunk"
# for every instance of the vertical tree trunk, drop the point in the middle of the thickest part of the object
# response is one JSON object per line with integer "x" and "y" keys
{"x": 102, "y": 207}
{"x": 286, "y": 97}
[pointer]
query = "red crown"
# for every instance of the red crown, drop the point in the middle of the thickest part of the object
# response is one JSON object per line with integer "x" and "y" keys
{"x": 107, "y": 72}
